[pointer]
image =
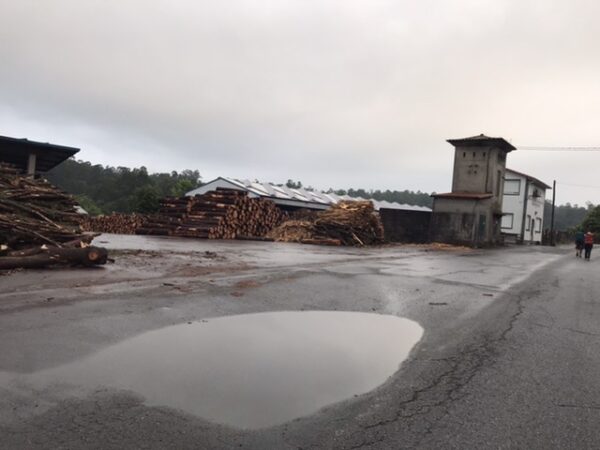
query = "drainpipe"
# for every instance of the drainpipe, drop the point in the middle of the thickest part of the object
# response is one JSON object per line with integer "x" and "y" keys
{"x": 524, "y": 211}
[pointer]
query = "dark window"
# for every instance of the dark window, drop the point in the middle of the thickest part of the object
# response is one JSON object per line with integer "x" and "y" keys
{"x": 499, "y": 183}
{"x": 528, "y": 223}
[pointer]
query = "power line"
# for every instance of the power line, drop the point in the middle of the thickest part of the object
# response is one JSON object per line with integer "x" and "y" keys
{"x": 577, "y": 185}
{"x": 559, "y": 149}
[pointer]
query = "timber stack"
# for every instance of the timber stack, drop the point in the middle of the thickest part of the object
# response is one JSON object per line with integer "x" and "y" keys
{"x": 39, "y": 225}
{"x": 352, "y": 223}
{"x": 114, "y": 223}
{"x": 220, "y": 214}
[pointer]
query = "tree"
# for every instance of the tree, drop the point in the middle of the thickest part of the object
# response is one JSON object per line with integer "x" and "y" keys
{"x": 146, "y": 200}
{"x": 592, "y": 220}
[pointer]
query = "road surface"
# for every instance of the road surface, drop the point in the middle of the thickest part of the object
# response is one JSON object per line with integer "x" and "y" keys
{"x": 509, "y": 357}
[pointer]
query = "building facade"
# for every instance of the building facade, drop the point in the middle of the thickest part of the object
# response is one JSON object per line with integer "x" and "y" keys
{"x": 523, "y": 207}
{"x": 472, "y": 212}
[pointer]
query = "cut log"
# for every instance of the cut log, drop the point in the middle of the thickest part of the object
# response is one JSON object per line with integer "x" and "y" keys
{"x": 88, "y": 256}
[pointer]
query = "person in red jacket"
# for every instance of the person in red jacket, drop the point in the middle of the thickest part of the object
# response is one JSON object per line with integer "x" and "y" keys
{"x": 588, "y": 240}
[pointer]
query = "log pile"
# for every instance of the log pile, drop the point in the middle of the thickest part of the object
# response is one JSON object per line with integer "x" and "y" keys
{"x": 38, "y": 221}
{"x": 114, "y": 223}
{"x": 352, "y": 223}
{"x": 220, "y": 214}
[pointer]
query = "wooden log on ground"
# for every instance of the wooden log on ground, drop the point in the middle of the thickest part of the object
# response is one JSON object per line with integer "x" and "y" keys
{"x": 88, "y": 256}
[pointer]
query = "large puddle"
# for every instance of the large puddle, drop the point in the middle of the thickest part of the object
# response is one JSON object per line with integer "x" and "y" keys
{"x": 253, "y": 370}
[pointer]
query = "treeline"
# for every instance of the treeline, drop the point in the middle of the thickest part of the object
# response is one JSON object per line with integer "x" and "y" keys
{"x": 104, "y": 189}
{"x": 567, "y": 216}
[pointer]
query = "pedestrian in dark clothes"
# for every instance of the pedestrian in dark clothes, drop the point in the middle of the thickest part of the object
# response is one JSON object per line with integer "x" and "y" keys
{"x": 588, "y": 244}
{"x": 579, "y": 242}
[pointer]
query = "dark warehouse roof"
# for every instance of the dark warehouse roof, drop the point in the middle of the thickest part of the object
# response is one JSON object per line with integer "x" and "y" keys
{"x": 483, "y": 140}
{"x": 16, "y": 151}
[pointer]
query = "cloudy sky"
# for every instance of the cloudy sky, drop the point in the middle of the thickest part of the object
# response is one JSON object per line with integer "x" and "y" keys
{"x": 336, "y": 93}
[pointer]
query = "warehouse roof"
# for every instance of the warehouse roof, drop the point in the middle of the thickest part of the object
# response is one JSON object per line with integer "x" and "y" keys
{"x": 16, "y": 151}
{"x": 301, "y": 198}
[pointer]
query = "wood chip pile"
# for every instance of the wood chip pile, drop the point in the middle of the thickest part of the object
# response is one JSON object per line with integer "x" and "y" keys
{"x": 113, "y": 223}
{"x": 220, "y": 214}
{"x": 36, "y": 218}
{"x": 352, "y": 223}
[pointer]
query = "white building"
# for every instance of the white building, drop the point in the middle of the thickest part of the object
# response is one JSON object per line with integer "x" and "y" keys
{"x": 523, "y": 207}
{"x": 290, "y": 199}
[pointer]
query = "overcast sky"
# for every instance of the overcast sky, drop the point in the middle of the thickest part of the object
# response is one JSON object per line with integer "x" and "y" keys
{"x": 335, "y": 93}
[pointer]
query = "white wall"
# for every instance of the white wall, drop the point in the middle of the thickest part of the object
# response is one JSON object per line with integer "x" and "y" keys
{"x": 512, "y": 207}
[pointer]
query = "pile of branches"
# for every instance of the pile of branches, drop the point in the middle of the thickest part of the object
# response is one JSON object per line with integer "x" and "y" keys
{"x": 350, "y": 223}
{"x": 220, "y": 214}
{"x": 114, "y": 223}
{"x": 39, "y": 221}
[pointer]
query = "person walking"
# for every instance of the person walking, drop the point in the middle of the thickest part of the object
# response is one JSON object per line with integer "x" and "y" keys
{"x": 588, "y": 244}
{"x": 579, "y": 242}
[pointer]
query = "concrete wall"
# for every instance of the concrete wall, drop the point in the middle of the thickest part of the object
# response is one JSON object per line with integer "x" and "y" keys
{"x": 479, "y": 170}
{"x": 465, "y": 222}
{"x": 405, "y": 226}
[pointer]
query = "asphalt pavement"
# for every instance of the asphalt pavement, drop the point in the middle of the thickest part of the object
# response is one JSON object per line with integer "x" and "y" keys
{"x": 508, "y": 358}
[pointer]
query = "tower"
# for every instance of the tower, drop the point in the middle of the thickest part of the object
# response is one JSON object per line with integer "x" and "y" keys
{"x": 471, "y": 213}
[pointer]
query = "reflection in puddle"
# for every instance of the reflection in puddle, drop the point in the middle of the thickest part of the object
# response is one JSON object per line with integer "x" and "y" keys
{"x": 252, "y": 370}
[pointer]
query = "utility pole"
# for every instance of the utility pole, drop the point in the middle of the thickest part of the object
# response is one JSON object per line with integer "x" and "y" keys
{"x": 552, "y": 243}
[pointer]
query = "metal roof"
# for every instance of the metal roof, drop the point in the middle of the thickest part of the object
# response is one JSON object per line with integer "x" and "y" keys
{"x": 297, "y": 197}
{"x": 16, "y": 151}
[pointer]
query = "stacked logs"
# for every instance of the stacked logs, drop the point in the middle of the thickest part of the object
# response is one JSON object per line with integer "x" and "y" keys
{"x": 353, "y": 223}
{"x": 171, "y": 213}
{"x": 114, "y": 223}
{"x": 38, "y": 222}
{"x": 220, "y": 214}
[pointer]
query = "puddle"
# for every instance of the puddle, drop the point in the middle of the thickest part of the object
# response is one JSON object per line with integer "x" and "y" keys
{"x": 254, "y": 370}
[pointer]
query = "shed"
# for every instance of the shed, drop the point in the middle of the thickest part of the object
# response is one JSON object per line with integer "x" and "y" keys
{"x": 33, "y": 157}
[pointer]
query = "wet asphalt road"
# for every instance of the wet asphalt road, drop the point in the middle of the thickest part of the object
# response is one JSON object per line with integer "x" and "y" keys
{"x": 508, "y": 359}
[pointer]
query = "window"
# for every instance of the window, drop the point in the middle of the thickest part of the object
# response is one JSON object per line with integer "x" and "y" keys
{"x": 507, "y": 221}
{"x": 512, "y": 187}
{"x": 538, "y": 225}
{"x": 499, "y": 183}
{"x": 528, "y": 223}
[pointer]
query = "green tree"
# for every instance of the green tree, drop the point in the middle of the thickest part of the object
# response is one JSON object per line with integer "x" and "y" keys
{"x": 592, "y": 220}
{"x": 146, "y": 200}
{"x": 88, "y": 204}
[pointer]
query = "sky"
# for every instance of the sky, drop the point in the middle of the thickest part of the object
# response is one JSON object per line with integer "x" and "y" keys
{"x": 335, "y": 93}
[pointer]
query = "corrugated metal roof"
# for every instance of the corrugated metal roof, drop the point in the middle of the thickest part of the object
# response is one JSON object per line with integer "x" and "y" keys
{"x": 300, "y": 195}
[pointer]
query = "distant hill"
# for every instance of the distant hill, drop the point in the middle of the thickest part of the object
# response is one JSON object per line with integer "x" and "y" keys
{"x": 104, "y": 189}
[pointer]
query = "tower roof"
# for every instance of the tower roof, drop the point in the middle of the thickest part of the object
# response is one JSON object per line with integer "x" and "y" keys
{"x": 483, "y": 141}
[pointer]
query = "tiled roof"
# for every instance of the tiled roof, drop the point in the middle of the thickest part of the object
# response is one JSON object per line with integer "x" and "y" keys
{"x": 530, "y": 178}
{"x": 464, "y": 195}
